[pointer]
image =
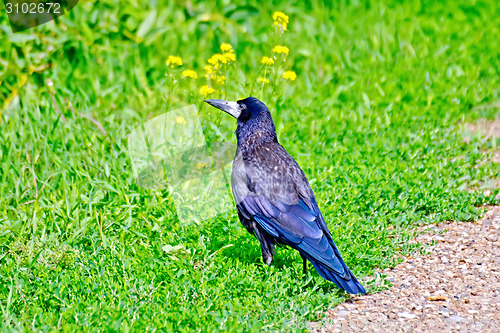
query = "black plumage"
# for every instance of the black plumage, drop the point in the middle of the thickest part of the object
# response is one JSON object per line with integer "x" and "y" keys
{"x": 274, "y": 199}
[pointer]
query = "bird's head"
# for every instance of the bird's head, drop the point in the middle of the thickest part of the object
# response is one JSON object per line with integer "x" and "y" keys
{"x": 242, "y": 110}
{"x": 254, "y": 118}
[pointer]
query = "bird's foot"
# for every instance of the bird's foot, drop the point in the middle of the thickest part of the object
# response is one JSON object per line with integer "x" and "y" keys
{"x": 267, "y": 258}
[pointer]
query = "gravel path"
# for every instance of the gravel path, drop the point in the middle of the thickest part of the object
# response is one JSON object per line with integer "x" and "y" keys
{"x": 456, "y": 288}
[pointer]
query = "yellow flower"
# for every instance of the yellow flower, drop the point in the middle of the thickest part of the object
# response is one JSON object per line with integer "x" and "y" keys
{"x": 267, "y": 61}
{"x": 263, "y": 80}
{"x": 209, "y": 69}
{"x": 220, "y": 79}
{"x": 281, "y": 49}
{"x": 180, "y": 120}
{"x": 229, "y": 56}
{"x": 226, "y": 47}
{"x": 280, "y": 19}
{"x": 189, "y": 73}
{"x": 216, "y": 58}
{"x": 206, "y": 90}
{"x": 280, "y": 16}
{"x": 174, "y": 61}
{"x": 200, "y": 165}
{"x": 290, "y": 75}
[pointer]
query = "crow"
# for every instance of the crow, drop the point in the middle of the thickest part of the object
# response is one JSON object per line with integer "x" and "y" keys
{"x": 274, "y": 199}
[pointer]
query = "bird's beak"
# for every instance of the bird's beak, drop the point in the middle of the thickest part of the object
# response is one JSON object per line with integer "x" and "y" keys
{"x": 230, "y": 107}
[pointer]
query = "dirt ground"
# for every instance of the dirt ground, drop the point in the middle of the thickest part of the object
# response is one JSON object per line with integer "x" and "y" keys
{"x": 455, "y": 288}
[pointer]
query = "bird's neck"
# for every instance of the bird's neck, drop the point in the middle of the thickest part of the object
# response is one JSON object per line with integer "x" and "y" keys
{"x": 249, "y": 141}
{"x": 255, "y": 140}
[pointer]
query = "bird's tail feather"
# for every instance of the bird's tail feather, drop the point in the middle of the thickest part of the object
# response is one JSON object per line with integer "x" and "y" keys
{"x": 327, "y": 262}
{"x": 351, "y": 285}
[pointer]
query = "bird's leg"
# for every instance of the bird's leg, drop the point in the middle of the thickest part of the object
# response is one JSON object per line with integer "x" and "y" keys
{"x": 267, "y": 257}
{"x": 266, "y": 247}
{"x": 304, "y": 264}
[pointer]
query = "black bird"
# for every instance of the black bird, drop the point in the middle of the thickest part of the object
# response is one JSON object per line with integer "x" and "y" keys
{"x": 274, "y": 199}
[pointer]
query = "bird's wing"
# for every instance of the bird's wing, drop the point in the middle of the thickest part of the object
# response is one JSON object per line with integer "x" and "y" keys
{"x": 271, "y": 189}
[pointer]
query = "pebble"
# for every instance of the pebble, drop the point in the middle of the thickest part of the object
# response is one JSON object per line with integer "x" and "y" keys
{"x": 343, "y": 313}
{"x": 456, "y": 319}
{"x": 407, "y": 315}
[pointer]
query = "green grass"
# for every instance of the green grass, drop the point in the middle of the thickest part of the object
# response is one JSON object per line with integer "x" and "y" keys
{"x": 373, "y": 118}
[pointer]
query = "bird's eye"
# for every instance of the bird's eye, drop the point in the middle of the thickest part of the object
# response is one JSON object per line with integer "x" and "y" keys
{"x": 245, "y": 113}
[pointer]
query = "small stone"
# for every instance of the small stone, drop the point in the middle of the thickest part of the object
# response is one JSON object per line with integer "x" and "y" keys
{"x": 456, "y": 319}
{"x": 437, "y": 298}
{"x": 407, "y": 315}
{"x": 492, "y": 238}
{"x": 343, "y": 313}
